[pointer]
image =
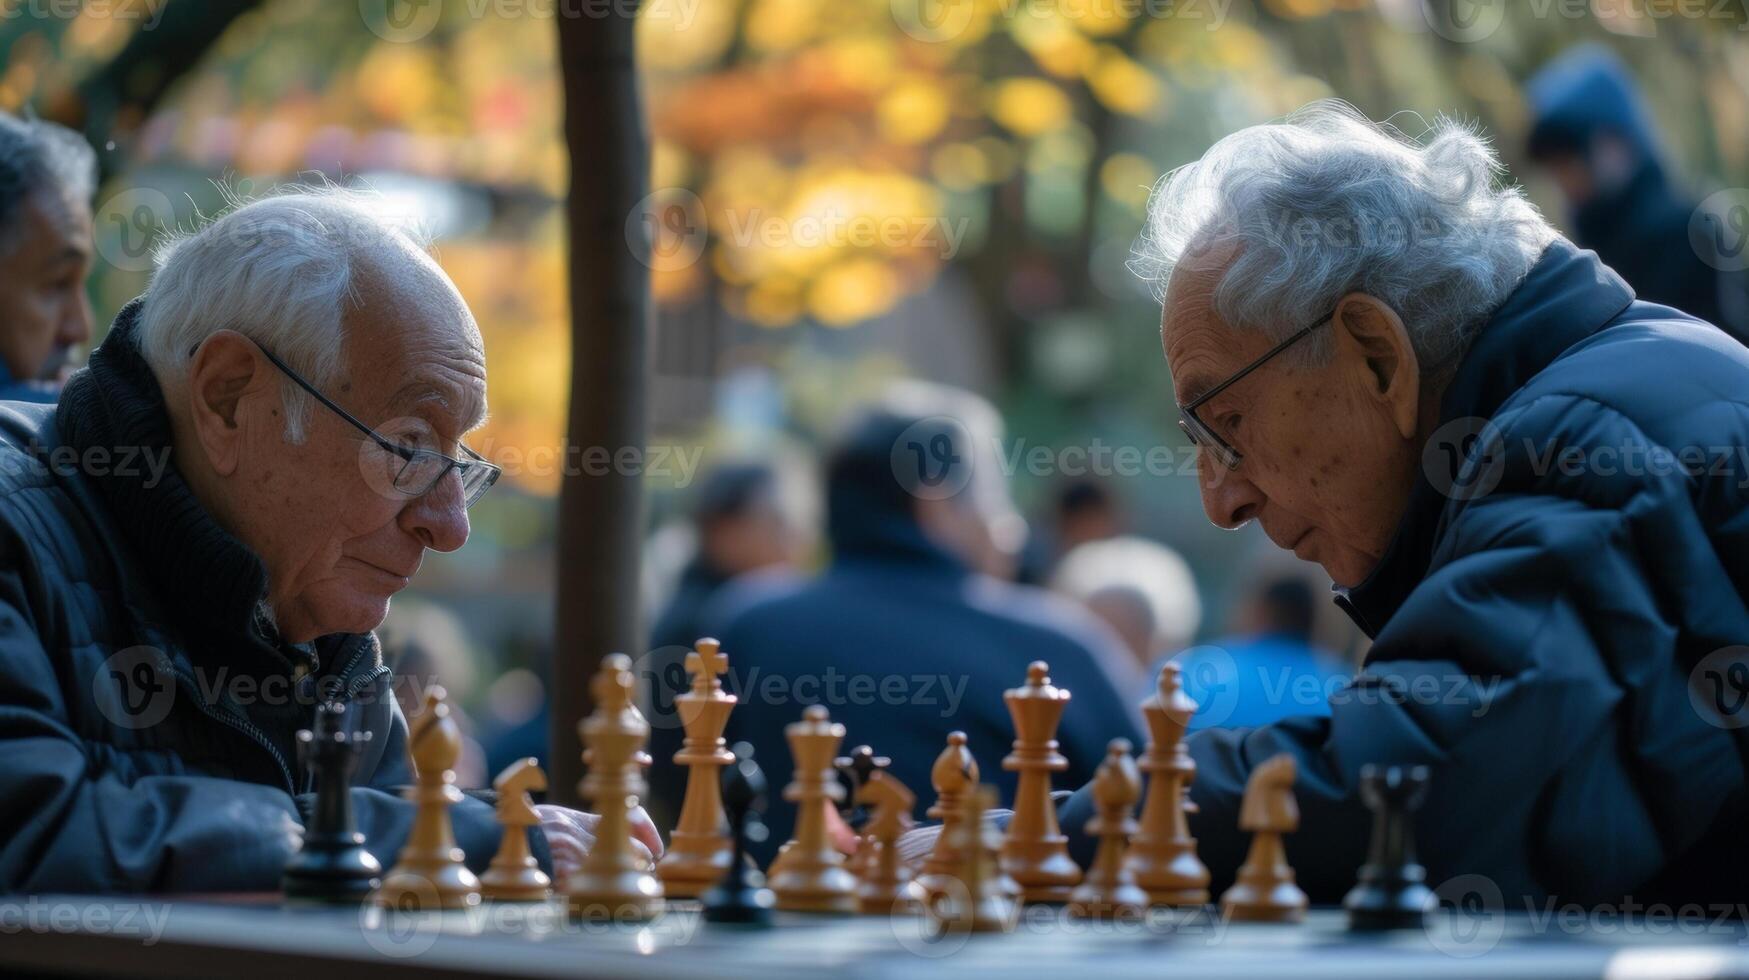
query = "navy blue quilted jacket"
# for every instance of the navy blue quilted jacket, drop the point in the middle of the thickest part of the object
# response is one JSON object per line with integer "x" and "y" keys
{"x": 1557, "y": 623}
{"x": 147, "y": 709}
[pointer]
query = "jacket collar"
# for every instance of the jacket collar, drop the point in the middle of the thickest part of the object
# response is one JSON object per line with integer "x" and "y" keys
{"x": 1567, "y": 296}
{"x": 206, "y": 583}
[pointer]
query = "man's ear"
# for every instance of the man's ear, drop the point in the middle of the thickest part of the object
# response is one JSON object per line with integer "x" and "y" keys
{"x": 226, "y": 371}
{"x": 1371, "y": 336}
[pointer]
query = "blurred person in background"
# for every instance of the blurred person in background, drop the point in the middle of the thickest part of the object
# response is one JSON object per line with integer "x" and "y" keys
{"x": 426, "y": 646}
{"x": 911, "y": 632}
{"x": 1145, "y": 592}
{"x": 1592, "y": 132}
{"x": 1082, "y": 510}
{"x": 1270, "y": 668}
{"x": 47, "y": 176}
{"x": 746, "y": 517}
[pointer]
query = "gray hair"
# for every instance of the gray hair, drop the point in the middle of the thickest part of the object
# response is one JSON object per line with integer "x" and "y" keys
{"x": 1326, "y": 203}
{"x": 37, "y": 155}
{"x": 280, "y": 271}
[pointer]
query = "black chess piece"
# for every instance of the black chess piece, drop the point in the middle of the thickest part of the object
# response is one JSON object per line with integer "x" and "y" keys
{"x": 855, "y": 770}
{"x": 741, "y": 898}
{"x": 333, "y": 865}
{"x": 1391, "y": 892}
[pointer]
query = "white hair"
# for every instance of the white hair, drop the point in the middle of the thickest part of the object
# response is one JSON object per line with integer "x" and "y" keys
{"x": 281, "y": 271}
{"x": 1139, "y": 569}
{"x": 1326, "y": 203}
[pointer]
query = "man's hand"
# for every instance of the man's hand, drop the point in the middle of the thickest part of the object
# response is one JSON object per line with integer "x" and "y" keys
{"x": 571, "y": 833}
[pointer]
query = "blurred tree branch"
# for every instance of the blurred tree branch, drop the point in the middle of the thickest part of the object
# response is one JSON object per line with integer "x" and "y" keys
{"x": 110, "y": 105}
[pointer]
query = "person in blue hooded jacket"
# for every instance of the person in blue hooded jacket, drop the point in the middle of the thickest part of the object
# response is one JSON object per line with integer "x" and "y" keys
{"x": 1590, "y": 129}
{"x": 1528, "y": 487}
{"x": 911, "y": 632}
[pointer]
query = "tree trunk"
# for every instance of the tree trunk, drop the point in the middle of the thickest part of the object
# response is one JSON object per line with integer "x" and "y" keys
{"x": 600, "y": 517}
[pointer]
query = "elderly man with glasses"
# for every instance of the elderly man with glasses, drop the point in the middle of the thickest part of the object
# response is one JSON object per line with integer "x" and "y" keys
{"x": 197, "y": 542}
{"x": 1527, "y": 486}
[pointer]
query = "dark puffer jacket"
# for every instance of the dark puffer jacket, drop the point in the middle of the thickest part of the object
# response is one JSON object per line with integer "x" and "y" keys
{"x": 1558, "y": 624}
{"x": 148, "y": 710}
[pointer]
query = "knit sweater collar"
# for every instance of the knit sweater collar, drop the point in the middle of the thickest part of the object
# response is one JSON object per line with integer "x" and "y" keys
{"x": 211, "y": 586}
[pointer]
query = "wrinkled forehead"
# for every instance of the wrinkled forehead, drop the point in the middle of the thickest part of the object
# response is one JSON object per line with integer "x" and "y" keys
{"x": 1196, "y": 341}
{"x": 411, "y": 338}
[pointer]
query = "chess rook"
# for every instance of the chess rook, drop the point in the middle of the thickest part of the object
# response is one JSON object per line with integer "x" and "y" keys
{"x": 811, "y": 876}
{"x": 955, "y": 773}
{"x": 429, "y": 873}
{"x": 1035, "y": 853}
{"x": 1264, "y": 890}
{"x": 333, "y": 865}
{"x": 1392, "y": 890}
{"x": 1162, "y": 854}
{"x": 514, "y": 875}
{"x": 613, "y": 879}
{"x": 1109, "y": 890}
{"x": 700, "y": 848}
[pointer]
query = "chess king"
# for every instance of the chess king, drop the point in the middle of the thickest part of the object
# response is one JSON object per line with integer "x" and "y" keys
{"x": 1379, "y": 350}
{"x": 279, "y": 422}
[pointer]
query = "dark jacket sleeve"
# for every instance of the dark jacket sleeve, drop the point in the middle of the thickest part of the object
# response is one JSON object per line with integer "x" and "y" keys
{"x": 1536, "y": 669}
{"x": 67, "y": 824}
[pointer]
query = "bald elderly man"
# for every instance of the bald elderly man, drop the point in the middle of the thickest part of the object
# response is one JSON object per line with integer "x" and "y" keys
{"x": 196, "y": 544}
{"x": 1527, "y": 486}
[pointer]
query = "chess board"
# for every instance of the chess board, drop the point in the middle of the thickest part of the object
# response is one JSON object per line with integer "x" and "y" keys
{"x": 261, "y": 939}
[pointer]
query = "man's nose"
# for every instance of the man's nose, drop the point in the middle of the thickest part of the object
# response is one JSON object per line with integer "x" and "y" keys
{"x": 76, "y": 325}
{"x": 1228, "y": 498}
{"x": 439, "y": 519}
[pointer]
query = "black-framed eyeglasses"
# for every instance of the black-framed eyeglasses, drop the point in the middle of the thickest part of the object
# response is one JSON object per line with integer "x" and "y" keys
{"x": 1199, "y": 433}
{"x": 421, "y": 469}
